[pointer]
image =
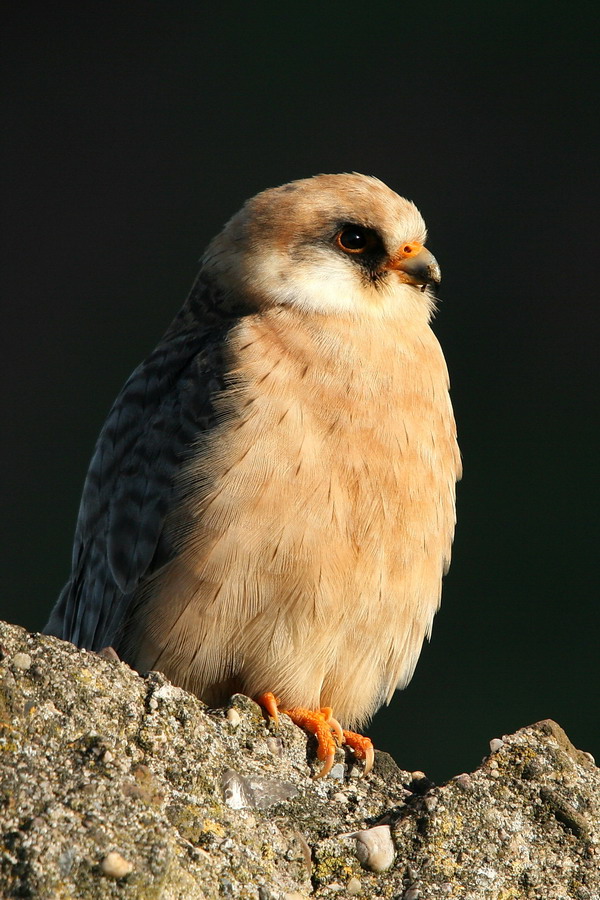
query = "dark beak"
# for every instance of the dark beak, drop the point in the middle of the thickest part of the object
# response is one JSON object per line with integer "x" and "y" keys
{"x": 417, "y": 267}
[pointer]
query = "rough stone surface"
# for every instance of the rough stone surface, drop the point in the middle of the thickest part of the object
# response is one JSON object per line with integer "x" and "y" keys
{"x": 117, "y": 786}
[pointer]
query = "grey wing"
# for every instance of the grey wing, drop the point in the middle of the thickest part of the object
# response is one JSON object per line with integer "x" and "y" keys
{"x": 130, "y": 485}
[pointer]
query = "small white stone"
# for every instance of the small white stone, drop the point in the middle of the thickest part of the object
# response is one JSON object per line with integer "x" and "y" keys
{"x": 430, "y": 801}
{"x": 463, "y": 781}
{"x": 234, "y": 790}
{"x": 152, "y": 703}
{"x": 116, "y": 866}
{"x": 233, "y": 717}
{"x": 168, "y": 691}
{"x": 275, "y": 746}
{"x": 21, "y": 661}
{"x": 354, "y": 887}
{"x": 496, "y": 744}
{"x": 375, "y": 848}
{"x": 337, "y": 772}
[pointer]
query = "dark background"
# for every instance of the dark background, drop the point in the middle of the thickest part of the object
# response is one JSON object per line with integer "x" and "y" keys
{"x": 130, "y": 135}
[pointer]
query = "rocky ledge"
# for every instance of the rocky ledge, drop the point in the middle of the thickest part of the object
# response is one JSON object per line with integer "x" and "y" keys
{"x": 113, "y": 785}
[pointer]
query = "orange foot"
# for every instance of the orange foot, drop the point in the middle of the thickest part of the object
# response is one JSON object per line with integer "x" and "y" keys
{"x": 327, "y": 730}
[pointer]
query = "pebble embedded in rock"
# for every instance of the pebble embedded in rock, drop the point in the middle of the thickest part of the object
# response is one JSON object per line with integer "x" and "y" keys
{"x": 375, "y": 848}
{"x": 115, "y": 866}
{"x": 431, "y": 801}
{"x": 337, "y": 772}
{"x": 463, "y": 781}
{"x": 496, "y": 744}
{"x": 353, "y": 887}
{"x": 233, "y": 717}
{"x": 21, "y": 661}
{"x": 275, "y": 746}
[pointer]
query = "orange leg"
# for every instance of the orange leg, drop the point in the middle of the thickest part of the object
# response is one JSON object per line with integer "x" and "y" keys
{"x": 327, "y": 731}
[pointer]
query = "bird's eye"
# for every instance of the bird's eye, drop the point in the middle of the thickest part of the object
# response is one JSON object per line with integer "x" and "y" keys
{"x": 354, "y": 239}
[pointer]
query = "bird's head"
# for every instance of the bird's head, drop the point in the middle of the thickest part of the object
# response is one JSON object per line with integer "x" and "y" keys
{"x": 331, "y": 244}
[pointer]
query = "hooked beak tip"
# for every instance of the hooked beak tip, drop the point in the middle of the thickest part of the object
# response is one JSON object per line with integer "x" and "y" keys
{"x": 419, "y": 269}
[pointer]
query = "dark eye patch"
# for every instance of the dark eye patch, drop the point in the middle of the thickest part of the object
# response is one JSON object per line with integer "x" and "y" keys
{"x": 363, "y": 244}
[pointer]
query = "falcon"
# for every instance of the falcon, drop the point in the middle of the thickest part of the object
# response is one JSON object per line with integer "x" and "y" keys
{"x": 270, "y": 505}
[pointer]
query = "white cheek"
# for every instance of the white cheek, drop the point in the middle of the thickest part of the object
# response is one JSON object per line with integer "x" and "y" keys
{"x": 326, "y": 284}
{"x": 329, "y": 285}
{"x": 322, "y": 289}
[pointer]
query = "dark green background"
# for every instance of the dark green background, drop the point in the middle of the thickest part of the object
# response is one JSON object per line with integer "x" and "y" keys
{"x": 130, "y": 135}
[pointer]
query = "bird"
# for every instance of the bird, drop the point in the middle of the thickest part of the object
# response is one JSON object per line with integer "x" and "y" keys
{"x": 270, "y": 506}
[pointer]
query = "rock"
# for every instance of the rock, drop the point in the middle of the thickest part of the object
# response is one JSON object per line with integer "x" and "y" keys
{"x": 94, "y": 757}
